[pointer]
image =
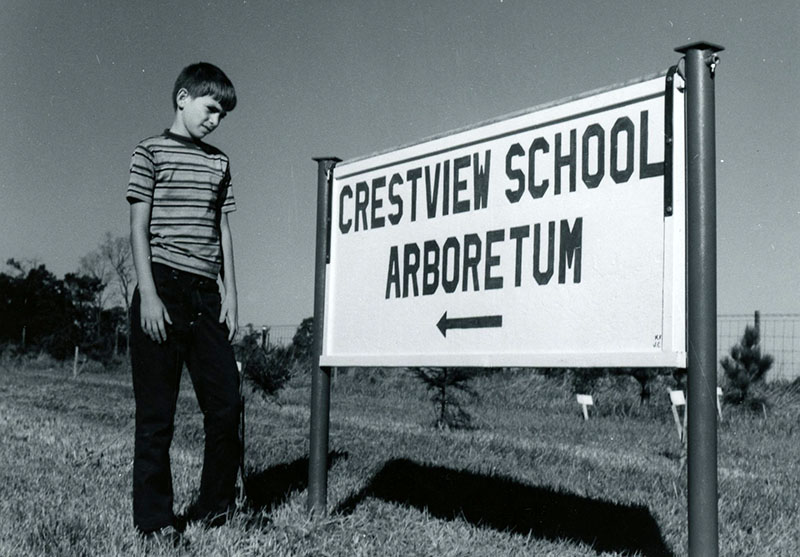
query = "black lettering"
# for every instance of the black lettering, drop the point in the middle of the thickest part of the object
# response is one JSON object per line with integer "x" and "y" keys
{"x": 430, "y": 267}
{"x": 446, "y": 189}
{"x": 543, "y": 277}
{"x": 514, "y": 196}
{"x": 395, "y": 199}
{"x": 481, "y": 180}
{"x": 450, "y": 262}
{"x": 471, "y": 261}
{"x": 459, "y": 206}
{"x": 410, "y": 268}
{"x": 432, "y": 189}
{"x": 537, "y": 190}
{"x": 519, "y": 233}
{"x": 413, "y": 175}
{"x": 570, "y": 250}
{"x": 344, "y": 226}
{"x": 647, "y": 170}
{"x": 377, "y": 203}
{"x": 593, "y": 180}
{"x": 393, "y": 276}
{"x": 623, "y": 124}
{"x": 362, "y": 202}
{"x": 490, "y": 282}
{"x": 569, "y": 160}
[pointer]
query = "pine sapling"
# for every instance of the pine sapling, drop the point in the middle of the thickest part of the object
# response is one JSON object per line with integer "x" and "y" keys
{"x": 745, "y": 367}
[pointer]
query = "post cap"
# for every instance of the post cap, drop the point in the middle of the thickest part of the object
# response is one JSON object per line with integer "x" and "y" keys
{"x": 320, "y": 159}
{"x": 700, "y": 45}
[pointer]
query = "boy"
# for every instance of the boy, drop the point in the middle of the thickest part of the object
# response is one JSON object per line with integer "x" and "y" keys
{"x": 180, "y": 196}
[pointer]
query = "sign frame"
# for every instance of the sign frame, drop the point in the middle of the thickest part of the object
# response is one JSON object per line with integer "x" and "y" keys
{"x": 669, "y": 344}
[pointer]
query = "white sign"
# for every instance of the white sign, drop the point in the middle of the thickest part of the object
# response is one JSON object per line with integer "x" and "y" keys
{"x": 677, "y": 398}
{"x": 585, "y": 401}
{"x": 547, "y": 238}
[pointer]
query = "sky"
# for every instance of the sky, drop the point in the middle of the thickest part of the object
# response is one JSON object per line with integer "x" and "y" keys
{"x": 83, "y": 82}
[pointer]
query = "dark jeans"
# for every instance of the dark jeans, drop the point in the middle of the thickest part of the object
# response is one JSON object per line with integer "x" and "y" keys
{"x": 198, "y": 339}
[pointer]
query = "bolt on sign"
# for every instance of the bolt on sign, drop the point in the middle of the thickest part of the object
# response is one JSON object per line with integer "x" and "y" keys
{"x": 551, "y": 237}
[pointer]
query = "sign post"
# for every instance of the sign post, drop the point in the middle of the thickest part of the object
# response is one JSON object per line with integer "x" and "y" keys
{"x": 701, "y": 61}
{"x": 320, "y": 377}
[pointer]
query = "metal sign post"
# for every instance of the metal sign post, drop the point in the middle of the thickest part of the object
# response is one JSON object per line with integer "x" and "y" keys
{"x": 701, "y": 61}
{"x": 320, "y": 377}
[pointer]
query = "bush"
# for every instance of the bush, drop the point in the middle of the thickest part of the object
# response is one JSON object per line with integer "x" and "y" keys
{"x": 745, "y": 367}
{"x": 584, "y": 380}
{"x": 449, "y": 385}
{"x": 303, "y": 341}
{"x": 267, "y": 368}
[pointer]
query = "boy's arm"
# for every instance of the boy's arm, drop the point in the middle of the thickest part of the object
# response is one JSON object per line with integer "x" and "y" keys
{"x": 229, "y": 311}
{"x": 153, "y": 313}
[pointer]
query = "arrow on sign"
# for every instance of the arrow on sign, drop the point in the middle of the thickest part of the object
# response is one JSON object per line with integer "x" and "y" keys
{"x": 482, "y": 322}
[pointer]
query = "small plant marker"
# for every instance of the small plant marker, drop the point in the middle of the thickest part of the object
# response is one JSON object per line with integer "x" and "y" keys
{"x": 585, "y": 401}
{"x": 678, "y": 399}
{"x": 719, "y": 402}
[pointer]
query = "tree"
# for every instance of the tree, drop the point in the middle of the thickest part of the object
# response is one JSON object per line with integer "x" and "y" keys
{"x": 36, "y": 304}
{"x": 447, "y": 383}
{"x": 303, "y": 340}
{"x": 96, "y": 327}
{"x": 745, "y": 366}
{"x": 93, "y": 265}
{"x": 39, "y": 310}
{"x": 112, "y": 264}
{"x": 268, "y": 368}
{"x": 84, "y": 294}
{"x": 117, "y": 252}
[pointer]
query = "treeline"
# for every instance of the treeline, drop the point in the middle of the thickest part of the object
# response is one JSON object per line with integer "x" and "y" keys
{"x": 88, "y": 308}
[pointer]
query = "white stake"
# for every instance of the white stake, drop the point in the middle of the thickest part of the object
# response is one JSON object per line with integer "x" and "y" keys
{"x": 585, "y": 401}
{"x": 678, "y": 399}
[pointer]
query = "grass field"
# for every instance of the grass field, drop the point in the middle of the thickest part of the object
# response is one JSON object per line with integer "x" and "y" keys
{"x": 531, "y": 479}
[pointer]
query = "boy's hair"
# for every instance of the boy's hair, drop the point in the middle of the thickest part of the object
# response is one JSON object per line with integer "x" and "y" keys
{"x": 203, "y": 79}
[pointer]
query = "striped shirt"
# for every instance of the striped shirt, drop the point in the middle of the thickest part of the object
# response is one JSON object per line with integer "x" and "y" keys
{"x": 188, "y": 186}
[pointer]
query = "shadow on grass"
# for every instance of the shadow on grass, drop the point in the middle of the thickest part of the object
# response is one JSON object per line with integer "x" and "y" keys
{"x": 270, "y": 488}
{"x": 508, "y": 506}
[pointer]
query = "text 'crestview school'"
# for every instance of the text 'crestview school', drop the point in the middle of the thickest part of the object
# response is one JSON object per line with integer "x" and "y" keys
{"x": 549, "y": 165}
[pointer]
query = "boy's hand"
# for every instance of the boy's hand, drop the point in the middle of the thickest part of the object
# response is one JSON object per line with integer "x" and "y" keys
{"x": 153, "y": 315}
{"x": 229, "y": 313}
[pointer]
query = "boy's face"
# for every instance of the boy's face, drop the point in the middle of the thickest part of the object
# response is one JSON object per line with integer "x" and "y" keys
{"x": 197, "y": 116}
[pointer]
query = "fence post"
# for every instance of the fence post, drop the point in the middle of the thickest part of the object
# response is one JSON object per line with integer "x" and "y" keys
{"x": 757, "y": 324}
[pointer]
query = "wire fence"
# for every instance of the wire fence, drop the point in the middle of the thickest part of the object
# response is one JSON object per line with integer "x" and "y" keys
{"x": 274, "y": 335}
{"x": 281, "y": 335}
{"x": 780, "y": 337}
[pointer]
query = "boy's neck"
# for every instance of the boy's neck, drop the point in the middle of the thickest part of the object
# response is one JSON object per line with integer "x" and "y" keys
{"x": 181, "y": 134}
{"x": 179, "y": 129}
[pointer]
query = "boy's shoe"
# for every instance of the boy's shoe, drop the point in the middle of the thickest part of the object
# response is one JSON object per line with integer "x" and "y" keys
{"x": 168, "y": 536}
